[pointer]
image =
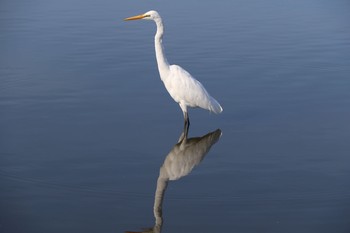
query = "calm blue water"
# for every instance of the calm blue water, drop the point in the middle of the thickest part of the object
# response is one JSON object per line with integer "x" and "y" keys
{"x": 86, "y": 124}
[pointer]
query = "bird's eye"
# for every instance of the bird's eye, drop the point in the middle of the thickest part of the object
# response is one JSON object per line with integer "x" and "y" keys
{"x": 147, "y": 15}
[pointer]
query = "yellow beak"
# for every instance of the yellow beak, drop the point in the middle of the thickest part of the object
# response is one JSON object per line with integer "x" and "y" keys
{"x": 136, "y": 17}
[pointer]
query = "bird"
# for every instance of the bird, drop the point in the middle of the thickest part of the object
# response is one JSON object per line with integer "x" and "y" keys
{"x": 181, "y": 85}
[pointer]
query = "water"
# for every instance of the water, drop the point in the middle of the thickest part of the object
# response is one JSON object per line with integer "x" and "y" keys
{"x": 86, "y": 124}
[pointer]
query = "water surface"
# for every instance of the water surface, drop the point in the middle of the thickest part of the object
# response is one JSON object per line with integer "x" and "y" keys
{"x": 86, "y": 123}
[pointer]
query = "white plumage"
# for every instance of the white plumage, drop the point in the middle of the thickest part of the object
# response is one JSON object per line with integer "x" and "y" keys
{"x": 188, "y": 91}
{"x": 182, "y": 87}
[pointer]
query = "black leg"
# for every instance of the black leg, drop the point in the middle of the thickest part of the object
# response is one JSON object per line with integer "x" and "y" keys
{"x": 187, "y": 125}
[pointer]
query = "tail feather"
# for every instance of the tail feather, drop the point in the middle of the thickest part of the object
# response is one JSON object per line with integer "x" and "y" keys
{"x": 215, "y": 106}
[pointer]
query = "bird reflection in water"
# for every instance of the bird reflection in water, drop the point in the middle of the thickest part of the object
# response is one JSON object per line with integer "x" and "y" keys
{"x": 180, "y": 161}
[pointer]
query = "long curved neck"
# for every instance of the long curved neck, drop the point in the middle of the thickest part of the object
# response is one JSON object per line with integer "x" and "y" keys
{"x": 163, "y": 65}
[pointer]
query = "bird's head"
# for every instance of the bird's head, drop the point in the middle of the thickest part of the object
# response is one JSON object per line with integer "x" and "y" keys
{"x": 149, "y": 15}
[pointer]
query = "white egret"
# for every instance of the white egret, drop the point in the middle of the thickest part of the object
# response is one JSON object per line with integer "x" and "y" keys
{"x": 182, "y": 87}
